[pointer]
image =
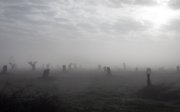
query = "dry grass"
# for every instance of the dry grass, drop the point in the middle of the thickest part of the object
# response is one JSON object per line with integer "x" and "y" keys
{"x": 123, "y": 92}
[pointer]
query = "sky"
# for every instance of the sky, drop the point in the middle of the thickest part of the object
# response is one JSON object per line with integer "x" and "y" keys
{"x": 90, "y": 32}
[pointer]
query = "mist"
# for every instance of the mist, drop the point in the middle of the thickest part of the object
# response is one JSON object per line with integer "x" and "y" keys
{"x": 90, "y": 33}
{"x": 90, "y": 52}
{"x": 89, "y": 55}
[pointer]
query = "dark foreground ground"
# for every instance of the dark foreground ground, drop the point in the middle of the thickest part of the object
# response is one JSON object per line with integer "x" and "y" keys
{"x": 89, "y": 92}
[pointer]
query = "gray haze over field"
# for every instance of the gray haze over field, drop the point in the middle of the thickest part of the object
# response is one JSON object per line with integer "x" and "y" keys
{"x": 90, "y": 32}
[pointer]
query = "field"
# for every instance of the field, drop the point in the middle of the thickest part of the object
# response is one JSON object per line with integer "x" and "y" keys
{"x": 89, "y": 91}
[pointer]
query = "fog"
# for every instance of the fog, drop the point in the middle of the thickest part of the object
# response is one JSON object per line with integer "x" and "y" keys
{"x": 89, "y": 55}
{"x": 90, "y": 52}
{"x": 90, "y": 32}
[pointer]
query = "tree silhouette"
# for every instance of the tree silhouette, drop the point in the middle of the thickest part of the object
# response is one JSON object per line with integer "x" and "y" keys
{"x": 12, "y": 65}
{"x": 33, "y": 65}
{"x": 99, "y": 67}
{"x": 148, "y": 73}
{"x": 70, "y": 66}
{"x": 136, "y": 69}
{"x": 178, "y": 68}
{"x": 124, "y": 66}
{"x": 64, "y": 69}
{"x": 105, "y": 68}
{"x": 46, "y": 73}
{"x": 4, "y": 69}
{"x": 108, "y": 71}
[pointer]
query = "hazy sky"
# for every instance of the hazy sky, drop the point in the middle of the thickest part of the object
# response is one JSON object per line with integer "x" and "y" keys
{"x": 138, "y": 32}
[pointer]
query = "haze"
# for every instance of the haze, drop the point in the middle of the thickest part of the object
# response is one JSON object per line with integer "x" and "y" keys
{"x": 90, "y": 32}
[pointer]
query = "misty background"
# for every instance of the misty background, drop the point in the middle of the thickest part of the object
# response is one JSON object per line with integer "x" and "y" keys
{"x": 90, "y": 32}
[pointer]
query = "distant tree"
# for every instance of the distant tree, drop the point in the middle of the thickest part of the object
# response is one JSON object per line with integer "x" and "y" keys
{"x": 108, "y": 71}
{"x": 136, "y": 69}
{"x": 124, "y": 66}
{"x": 148, "y": 73}
{"x": 70, "y": 66}
{"x": 64, "y": 69}
{"x": 46, "y": 73}
{"x": 178, "y": 68}
{"x": 12, "y": 65}
{"x": 99, "y": 67}
{"x": 33, "y": 65}
{"x": 105, "y": 68}
{"x": 4, "y": 69}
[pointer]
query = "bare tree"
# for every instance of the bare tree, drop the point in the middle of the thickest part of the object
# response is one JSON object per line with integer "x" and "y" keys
{"x": 33, "y": 65}
{"x": 136, "y": 69}
{"x": 178, "y": 68}
{"x": 70, "y": 66}
{"x": 105, "y": 68}
{"x": 108, "y": 71}
{"x": 124, "y": 66}
{"x": 12, "y": 65}
{"x": 99, "y": 67}
{"x": 148, "y": 73}
{"x": 4, "y": 69}
{"x": 46, "y": 73}
{"x": 64, "y": 70}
